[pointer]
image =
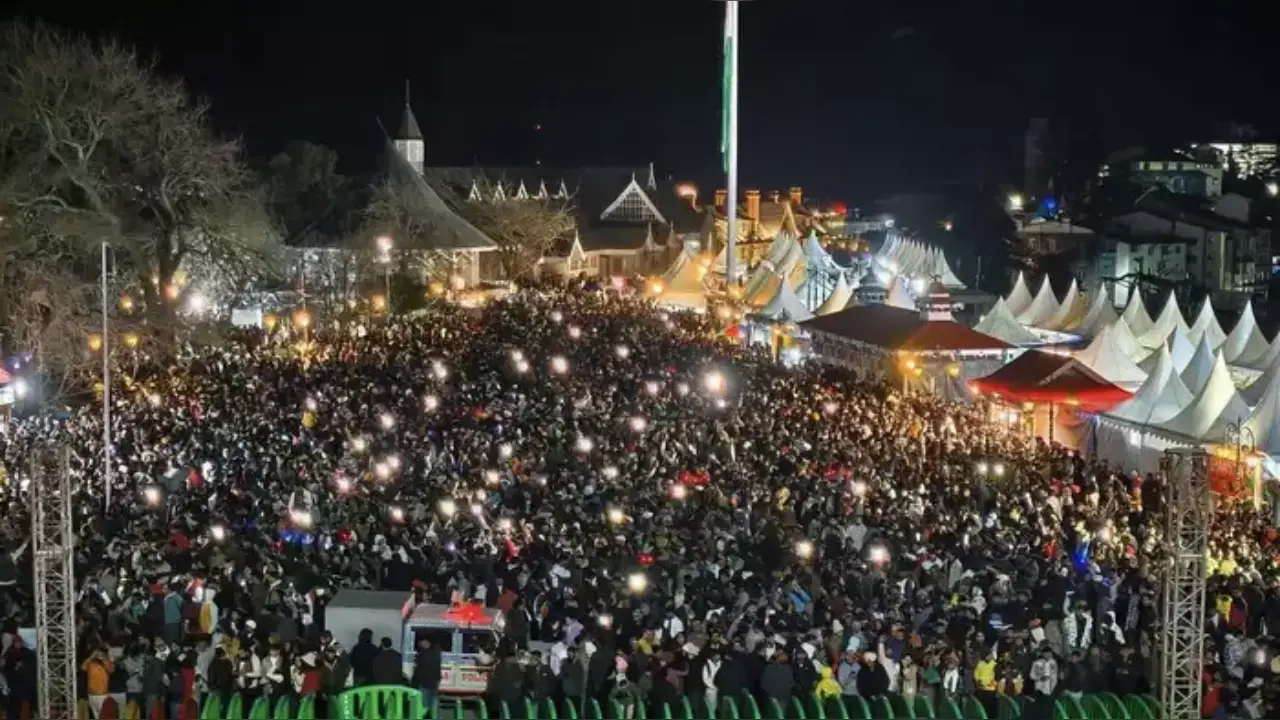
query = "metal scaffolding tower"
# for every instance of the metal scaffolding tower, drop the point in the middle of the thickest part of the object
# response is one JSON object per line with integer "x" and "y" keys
{"x": 53, "y": 549}
{"x": 1188, "y": 510}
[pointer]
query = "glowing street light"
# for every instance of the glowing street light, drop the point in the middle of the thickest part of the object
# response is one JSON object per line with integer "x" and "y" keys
{"x": 95, "y": 342}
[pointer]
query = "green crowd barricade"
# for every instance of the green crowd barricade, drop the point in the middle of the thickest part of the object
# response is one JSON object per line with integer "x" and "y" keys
{"x": 857, "y": 708}
{"x": 924, "y": 708}
{"x": 212, "y": 709}
{"x": 1113, "y": 707}
{"x": 1008, "y": 708}
{"x": 730, "y": 707}
{"x": 235, "y": 708}
{"x": 1061, "y": 710}
{"x": 260, "y": 710}
{"x": 902, "y": 707}
{"x": 973, "y": 709}
{"x": 753, "y": 708}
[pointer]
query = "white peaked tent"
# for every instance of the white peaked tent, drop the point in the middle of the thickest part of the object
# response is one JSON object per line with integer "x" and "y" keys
{"x": 1258, "y": 389}
{"x": 838, "y": 298}
{"x": 1001, "y": 324}
{"x": 1264, "y": 423}
{"x": 818, "y": 257}
{"x": 1160, "y": 398}
{"x": 1170, "y": 319}
{"x": 682, "y": 283}
{"x": 1135, "y": 315}
{"x": 1105, "y": 357}
{"x": 1101, "y": 314}
{"x": 1268, "y": 358}
{"x": 785, "y": 305}
{"x": 1200, "y": 369}
{"x": 899, "y": 296}
{"x": 1123, "y": 337}
{"x": 1181, "y": 351}
{"x": 1070, "y": 312}
{"x": 1214, "y": 407}
{"x": 942, "y": 271}
{"x": 1044, "y": 306}
{"x": 1019, "y": 298}
{"x": 1246, "y": 342}
{"x": 762, "y": 285}
{"x": 1206, "y": 326}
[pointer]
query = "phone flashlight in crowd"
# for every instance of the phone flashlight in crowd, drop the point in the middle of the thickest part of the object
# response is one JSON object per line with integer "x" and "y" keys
{"x": 152, "y": 496}
{"x": 343, "y": 485}
{"x": 616, "y": 516}
{"x": 451, "y": 546}
{"x": 477, "y": 509}
{"x": 557, "y": 317}
{"x": 682, "y": 388}
{"x": 218, "y": 533}
{"x": 396, "y": 514}
{"x": 637, "y": 583}
{"x": 575, "y": 332}
{"x": 584, "y": 444}
{"x": 504, "y": 451}
{"x": 804, "y": 549}
{"x": 359, "y": 444}
{"x": 998, "y": 469}
{"x": 311, "y": 404}
{"x": 714, "y": 381}
{"x": 431, "y": 403}
{"x": 386, "y": 421}
{"x": 393, "y": 462}
{"x": 504, "y": 524}
{"x": 559, "y": 366}
{"x": 301, "y": 518}
{"x": 382, "y": 471}
{"x": 522, "y": 366}
{"x": 859, "y": 488}
{"x": 448, "y": 507}
{"x": 622, "y": 351}
{"x": 651, "y": 387}
{"x": 639, "y": 423}
{"x": 605, "y": 621}
{"x": 878, "y": 555}
{"x": 679, "y": 492}
{"x": 440, "y": 370}
{"x": 1260, "y": 657}
{"x": 982, "y": 468}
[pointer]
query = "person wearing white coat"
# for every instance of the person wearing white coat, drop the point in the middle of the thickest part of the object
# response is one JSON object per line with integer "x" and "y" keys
{"x": 1044, "y": 672}
{"x": 710, "y": 669}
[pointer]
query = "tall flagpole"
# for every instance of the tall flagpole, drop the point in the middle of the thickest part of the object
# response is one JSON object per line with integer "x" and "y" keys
{"x": 729, "y": 141}
{"x": 106, "y": 390}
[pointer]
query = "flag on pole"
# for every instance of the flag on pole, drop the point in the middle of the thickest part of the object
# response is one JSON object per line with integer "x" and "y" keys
{"x": 726, "y": 85}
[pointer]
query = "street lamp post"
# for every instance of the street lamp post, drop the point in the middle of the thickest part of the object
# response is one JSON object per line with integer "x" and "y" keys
{"x": 106, "y": 388}
{"x": 1245, "y": 442}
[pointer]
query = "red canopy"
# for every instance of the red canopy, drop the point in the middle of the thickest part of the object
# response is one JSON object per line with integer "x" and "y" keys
{"x": 1043, "y": 377}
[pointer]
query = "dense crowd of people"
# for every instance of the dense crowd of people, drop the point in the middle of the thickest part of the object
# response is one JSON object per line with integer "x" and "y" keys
{"x": 657, "y": 512}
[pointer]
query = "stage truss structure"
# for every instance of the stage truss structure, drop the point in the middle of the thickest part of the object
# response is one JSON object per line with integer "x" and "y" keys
{"x": 1188, "y": 513}
{"x": 53, "y": 553}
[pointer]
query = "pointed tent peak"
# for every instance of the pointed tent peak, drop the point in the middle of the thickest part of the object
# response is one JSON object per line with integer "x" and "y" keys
{"x": 1206, "y": 325}
{"x": 1043, "y": 307}
{"x": 838, "y": 299}
{"x": 1135, "y": 314}
{"x": 1161, "y": 397}
{"x": 1170, "y": 319}
{"x": 1181, "y": 349}
{"x": 1125, "y": 340}
{"x": 1261, "y": 386}
{"x": 1070, "y": 312}
{"x": 1216, "y": 404}
{"x": 1001, "y": 324}
{"x": 1106, "y": 357}
{"x": 786, "y": 305}
{"x": 1246, "y": 343}
{"x": 1101, "y": 314}
{"x": 408, "y": 123}
{"x": 1264, "y": 422}
{"x": 1019, "y": 298}
{"x": 899, "y": 296}
{"x": 1197, "y": 371}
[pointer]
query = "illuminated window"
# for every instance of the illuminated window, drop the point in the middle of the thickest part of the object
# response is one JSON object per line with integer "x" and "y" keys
{"x": 631, "y": 207}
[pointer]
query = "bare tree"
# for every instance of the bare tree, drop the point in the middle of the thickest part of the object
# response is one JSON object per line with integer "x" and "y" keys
{"x": 399, "y": 212}
{"x": 101, "y": 148}
{"x": 524, "y": 229}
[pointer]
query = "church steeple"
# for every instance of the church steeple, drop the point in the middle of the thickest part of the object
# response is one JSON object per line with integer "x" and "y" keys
{"x": 408, "y": 140}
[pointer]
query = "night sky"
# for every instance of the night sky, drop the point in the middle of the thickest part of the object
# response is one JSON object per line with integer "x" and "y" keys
{"x": 850, "y": 100}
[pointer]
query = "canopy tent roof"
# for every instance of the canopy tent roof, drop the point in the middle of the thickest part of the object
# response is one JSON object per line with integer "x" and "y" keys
{"x": 1019, "y": 298}
{"x": 1105, "y": 357}
{"x": 940, "y": 270}
{"x": 1246, "y": 342}
{"x": 1268, "y": 358}
{"x": 838, "y": 298}
{"x": 682, "y": 283}
{"x": 818, "y": 257}
{"x": 1206, "y": 326}
{"x": 762, "y": 286}
{"x": 899, "y": 296}
{"x": 1000, "y": 323}
{"x": 1169, "y": 320}
{"x": 786, "y": 306}
{"x": 1181, "y": 351}
{"x": 1214, "y": 407}
{"x": 1101, "y": 314}
{"x": 1257, "y": 389}
{"x": 897, "y": 329}
{"x": 1161, "y": 397}
{"x": 1125, "y": 340}
{"x": 1200, "y": 369}
{"x": 1042, "y": 308}
{"x": 1264, "y": 422}
{"x": 1070, "y": 312}
{"x": 1043, "y": 377}
{"x": 1135, "y": 314}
